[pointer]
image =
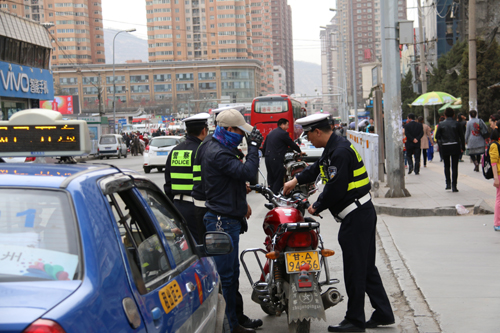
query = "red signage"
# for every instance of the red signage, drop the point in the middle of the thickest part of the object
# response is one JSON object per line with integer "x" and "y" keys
{"x": 63, "y": 104}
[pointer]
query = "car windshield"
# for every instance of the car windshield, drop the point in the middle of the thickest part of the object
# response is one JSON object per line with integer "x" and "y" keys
{"x": 38, "y": 236}
{"x": 107, "y": 140}
{"x": 164, "y": 142}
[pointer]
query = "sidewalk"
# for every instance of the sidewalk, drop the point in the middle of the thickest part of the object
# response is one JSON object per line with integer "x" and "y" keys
{"x": 429, "y": 198}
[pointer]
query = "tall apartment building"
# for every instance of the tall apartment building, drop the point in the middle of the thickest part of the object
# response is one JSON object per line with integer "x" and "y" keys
{"x": 367, "y": 36}
{"x": 208, "y": 30}
{"x": 77, "y": 31}
{"x": 331, "y": 85}
{"x": 282, "y": 40}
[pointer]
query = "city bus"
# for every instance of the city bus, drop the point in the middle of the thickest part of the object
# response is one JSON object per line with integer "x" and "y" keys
{"x": 267, "y": 110}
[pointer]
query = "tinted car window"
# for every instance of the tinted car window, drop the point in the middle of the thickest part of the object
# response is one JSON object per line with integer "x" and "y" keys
{"x": 38, "y": 236}
{"x": 164, "y": 142}
{"x": 173, "y": 229}
{"x": 107, "y": 140}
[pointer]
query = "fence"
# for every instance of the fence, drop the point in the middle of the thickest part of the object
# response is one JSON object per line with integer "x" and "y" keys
{"x": 367, "y": 146}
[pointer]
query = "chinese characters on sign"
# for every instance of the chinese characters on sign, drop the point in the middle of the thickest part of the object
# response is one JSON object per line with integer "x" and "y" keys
{"x": 39, "y": 86}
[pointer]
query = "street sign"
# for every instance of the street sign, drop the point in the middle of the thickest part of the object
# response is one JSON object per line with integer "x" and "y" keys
{"x": 122, "y": 121}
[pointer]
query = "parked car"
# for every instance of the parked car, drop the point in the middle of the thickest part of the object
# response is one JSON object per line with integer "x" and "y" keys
{"x": 312, "y": 153}
{"x": 92, "y": 248}
{"x": 156, "y": 153}
{"x": 111, "y": 145}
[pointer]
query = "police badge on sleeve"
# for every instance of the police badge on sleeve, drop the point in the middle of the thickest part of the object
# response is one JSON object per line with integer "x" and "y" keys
{"x": 332, "y": 172}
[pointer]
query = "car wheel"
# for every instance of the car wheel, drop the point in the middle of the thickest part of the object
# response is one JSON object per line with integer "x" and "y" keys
{"x": 126, "y": 153}
{"x": 101, "y": 157}
{"x": 160, "y": 169}
{"x": 107, "y": 157}
{"x": 119, "y": 154}
{"x": 147, "y": 169}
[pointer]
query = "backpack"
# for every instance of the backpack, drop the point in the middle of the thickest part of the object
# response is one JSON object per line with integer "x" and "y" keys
{"x": 486, "y": 162}
{"x": 483, "y": 130}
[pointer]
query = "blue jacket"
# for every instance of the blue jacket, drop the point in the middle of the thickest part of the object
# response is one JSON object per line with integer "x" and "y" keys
{"x": 225, "y": 177}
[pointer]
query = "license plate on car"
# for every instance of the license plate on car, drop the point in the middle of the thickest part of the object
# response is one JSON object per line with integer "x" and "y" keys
{"x": 311, "y": 146}
{"x": 162, "y": 153}
{"x": 107, "y": 147}
{"x": 296, "y": 259}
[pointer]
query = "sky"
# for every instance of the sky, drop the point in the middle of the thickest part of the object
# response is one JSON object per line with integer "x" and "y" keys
{"x": 307, "y": 17}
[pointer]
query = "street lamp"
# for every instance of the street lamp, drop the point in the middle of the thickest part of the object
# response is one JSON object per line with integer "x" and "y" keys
{"x": 354, "y": 89}
{"x": 114, "y": 83}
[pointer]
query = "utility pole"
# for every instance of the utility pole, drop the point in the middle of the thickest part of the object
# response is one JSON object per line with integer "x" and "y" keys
{"x": 472, "y": 56}
{"x": 354, "y": 88}
{"x": 422, "y": 56}
{"x": 392, "y": 101}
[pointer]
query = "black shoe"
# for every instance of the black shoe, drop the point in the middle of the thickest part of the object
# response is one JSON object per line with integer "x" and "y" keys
{"x": 375, "y": 323}
{"x": 410, "y": 170}
{"x": 417, "y": 172}
{"x": 448, "y": 187}
{"x": 251, "y": 323}
{"x": 454, "y": 189}
{"x": 241, "y": 329}
{"x": 345, "y": 326}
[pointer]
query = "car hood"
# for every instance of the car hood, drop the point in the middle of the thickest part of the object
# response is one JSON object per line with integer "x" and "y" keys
{"x": 21, "y": 303}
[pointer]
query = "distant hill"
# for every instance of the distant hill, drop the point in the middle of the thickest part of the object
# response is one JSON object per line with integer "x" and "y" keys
{"x": 127, "y": 47}
{"x": 307, "y": 77}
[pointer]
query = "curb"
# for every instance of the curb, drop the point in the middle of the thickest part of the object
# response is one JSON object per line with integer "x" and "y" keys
{"x": 482, "y": 207}
{"x": 414, "y": 212}
{"x": 424, "y": 318}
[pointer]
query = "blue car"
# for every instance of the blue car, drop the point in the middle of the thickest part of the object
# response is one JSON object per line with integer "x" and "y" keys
{"x": 91, "y": 248}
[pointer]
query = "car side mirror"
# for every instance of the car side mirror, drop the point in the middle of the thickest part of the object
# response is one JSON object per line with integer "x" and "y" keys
{"x": 215, "y": 243}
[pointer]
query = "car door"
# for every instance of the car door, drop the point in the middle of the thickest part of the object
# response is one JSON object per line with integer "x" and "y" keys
{"x": 156, "y": 255}
{"x": 198, "y": 275}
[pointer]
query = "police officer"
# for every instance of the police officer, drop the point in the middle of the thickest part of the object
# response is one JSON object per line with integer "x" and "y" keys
{"x": 347, "y": 196}
{"x": 179, "y": 169}
{"x": 224, "y": 177}
{"x": 275, "y": 147}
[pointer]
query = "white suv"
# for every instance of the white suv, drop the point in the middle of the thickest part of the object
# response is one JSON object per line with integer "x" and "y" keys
{"x": 156, "y": 153}
{"x": 111, "y": 145}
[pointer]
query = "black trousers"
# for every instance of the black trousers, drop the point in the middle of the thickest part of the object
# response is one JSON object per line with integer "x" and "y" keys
{"x": 410, "y": 151}
{"x": 275, "y": 174}
{"x": 357, "y": 240}
{"x": 454, "y": 168}
{"x": 424, "y": 156}
{"x": 187, "y": 210}
{"x": 199, "y": 212}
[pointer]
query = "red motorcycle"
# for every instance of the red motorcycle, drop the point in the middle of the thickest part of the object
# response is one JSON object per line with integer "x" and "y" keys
{"x": 295, "y": 257}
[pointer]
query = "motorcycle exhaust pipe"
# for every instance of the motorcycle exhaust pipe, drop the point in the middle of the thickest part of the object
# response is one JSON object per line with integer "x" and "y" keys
{"x": 331, "y": 297}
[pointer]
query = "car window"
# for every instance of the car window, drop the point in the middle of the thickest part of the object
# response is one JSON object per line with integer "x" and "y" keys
{"x": 144, "y": 251}
{"x": 164, "y": 142}
{"x": 38, "y": 236}
{"x": 107, "y": 140}
{"x": 171, "y": 225}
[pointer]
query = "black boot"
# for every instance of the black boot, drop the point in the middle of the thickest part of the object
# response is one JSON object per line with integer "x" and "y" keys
{"x": 476, "y": 166}
{"x": 454, "y": 188}
{"x": 448, "y": 186}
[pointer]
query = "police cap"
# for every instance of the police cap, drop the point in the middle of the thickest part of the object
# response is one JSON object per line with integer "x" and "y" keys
{"x": 198, "y": 120}
{"x": 314, "y": 121}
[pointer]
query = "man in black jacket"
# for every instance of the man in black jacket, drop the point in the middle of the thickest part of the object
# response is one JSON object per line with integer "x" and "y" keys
{"x": 275, "y": 147}
{"x": 414, "y": 132}
{"x": 224, "y": 177}
{"x": 450, "y": 138}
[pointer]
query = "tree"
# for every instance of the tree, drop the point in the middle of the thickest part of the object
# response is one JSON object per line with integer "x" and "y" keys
{"x": 408, "y": 95}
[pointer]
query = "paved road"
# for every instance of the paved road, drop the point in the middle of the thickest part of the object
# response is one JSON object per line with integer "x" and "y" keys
{"x": 329, "y": 229}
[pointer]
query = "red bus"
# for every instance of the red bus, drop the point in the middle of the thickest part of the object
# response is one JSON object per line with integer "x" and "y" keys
{"x": 267, "y": 110}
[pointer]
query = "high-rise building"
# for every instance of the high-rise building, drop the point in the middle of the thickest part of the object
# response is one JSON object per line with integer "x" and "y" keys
{"x": 367, "y": 36}
{"x": 282, "y": 40}
{"x": 208, "y": 30}
{"x": 77, "y": 32}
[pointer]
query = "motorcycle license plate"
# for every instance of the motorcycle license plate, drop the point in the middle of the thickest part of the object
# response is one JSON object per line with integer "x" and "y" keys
{"x": 296, "y": 259}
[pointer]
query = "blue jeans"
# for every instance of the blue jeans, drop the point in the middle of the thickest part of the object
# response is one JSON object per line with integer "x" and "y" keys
{"x": 228, "y": 265}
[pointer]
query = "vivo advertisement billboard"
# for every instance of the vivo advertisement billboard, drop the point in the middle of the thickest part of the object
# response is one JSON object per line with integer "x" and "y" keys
{"x": 25, "y": 82}
{"x": 62, "y": 104}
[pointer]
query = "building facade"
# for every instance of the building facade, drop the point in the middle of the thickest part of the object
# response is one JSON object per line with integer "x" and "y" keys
{"x": 190, "y": 30}
{"x": 161, "y": 88}
{"x": 281, "y": 14}
{"x": 76, "y": 27}
{"x": 25, "y": 78}
{"x": 280, "y": 80}
{"x": 367, "y": 37}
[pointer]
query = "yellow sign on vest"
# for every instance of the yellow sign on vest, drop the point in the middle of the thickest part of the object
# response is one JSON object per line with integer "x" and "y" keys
{"x": 181, "y": 158}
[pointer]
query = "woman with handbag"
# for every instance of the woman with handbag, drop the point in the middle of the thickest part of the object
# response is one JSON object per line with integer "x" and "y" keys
{"x": 474, "y": 138}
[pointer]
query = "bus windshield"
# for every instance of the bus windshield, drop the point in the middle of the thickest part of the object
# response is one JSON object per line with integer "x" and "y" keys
{"x": 271, "y": 106}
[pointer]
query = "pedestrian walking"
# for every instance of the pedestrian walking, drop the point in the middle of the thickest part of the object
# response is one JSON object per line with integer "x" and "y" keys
{"x": 424, "y": 141}
{"x": 474, "y": 140}
{"x": 452, "y": 141}
{"x": 225, "y": 177}
{"x": 179, "y": 169}
{"x": 347, "y": 195}
{"x": 414, "y": 132}
{"x": 442, "y": 118}
{"x": 277, "y": 143}
{"x": 494, "y": 153}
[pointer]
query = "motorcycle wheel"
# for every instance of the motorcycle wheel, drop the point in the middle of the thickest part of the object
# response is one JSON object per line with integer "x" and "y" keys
{"x": 268, "y": 310}
{"x": 302, "y": 326}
